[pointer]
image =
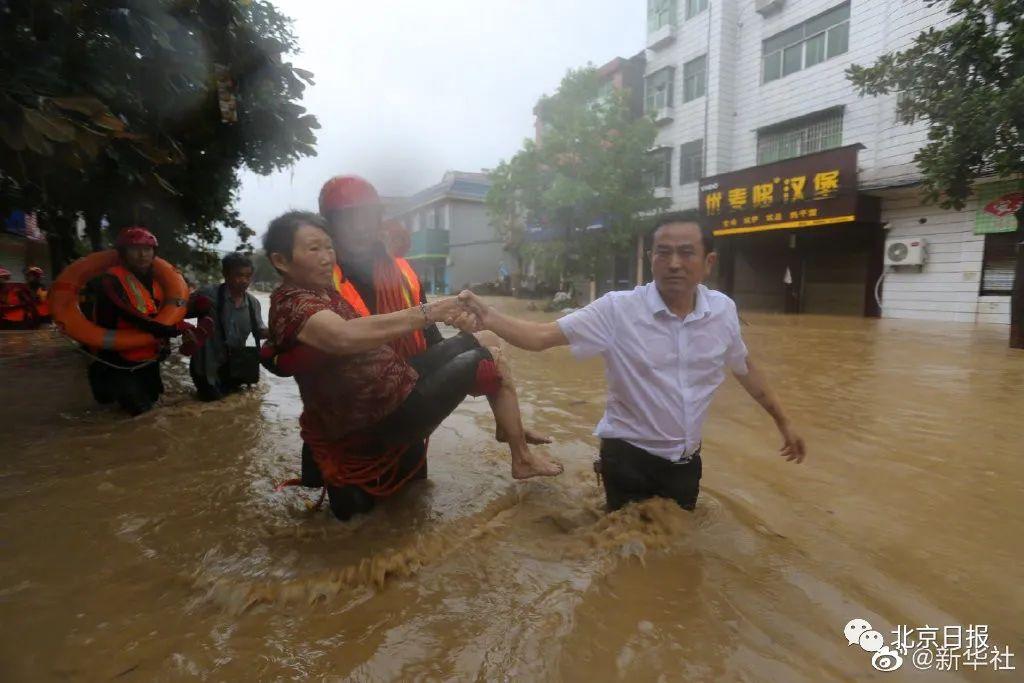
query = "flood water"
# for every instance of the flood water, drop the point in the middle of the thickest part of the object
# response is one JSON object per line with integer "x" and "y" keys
{"x": 155, "y": 548}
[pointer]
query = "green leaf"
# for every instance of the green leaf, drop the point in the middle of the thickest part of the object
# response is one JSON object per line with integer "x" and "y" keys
{"x": 90, "y": 106}
{"x": 54, "y": 128}
{"x": 303, "y": 74}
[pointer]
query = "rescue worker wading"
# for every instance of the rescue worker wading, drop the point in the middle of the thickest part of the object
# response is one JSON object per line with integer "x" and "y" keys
{"x": 371, "y": 281}
{"x": 17, "y": 306}
{"x": 34, "y": 282}
{"x": 368, "y": 407}
{"x": 127, "y": 297}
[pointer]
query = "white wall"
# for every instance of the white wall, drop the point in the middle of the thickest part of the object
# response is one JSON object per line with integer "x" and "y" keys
{"x": 947, "y": 286}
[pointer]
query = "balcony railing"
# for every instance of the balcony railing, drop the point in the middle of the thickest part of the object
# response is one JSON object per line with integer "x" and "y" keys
{"x": 430, "y": 242}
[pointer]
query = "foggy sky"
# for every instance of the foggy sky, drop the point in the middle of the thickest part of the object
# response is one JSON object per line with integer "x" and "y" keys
{"x": 406, "y": 90}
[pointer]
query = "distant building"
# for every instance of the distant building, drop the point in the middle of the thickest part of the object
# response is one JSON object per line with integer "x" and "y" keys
{"x": 22, "y": 244}
{"x": 453, "y": 241}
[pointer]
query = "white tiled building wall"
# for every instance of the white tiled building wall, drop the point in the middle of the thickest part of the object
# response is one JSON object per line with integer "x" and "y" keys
{"x": 737, "y": 104}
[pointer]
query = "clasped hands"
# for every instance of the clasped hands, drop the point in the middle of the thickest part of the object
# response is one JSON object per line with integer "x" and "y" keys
{"x": 465, "y": 311}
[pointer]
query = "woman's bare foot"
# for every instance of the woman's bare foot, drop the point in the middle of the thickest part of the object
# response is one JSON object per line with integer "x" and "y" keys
{"x": 530, "y": 464}
{"x": 532, "y": 437}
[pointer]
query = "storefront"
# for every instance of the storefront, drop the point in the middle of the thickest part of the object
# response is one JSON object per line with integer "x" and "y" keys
{"x": 22, "y": 244}
{"x": 795, "y": 236}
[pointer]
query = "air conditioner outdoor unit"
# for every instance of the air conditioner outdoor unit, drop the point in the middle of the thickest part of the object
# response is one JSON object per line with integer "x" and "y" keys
{"x": 766, "y": 7}
{"x": 909, "y": 251}
{"x": 660, "y": 37}
{"x": 663, "y": 115}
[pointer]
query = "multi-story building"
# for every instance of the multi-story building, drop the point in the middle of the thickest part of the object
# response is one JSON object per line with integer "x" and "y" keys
{"x": 22, "y": 244}
{"x": 453, "y": 243}
{"x": 813, "y": 189}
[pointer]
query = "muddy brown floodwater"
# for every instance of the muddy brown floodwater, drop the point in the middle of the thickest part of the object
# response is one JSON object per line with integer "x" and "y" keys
{"x": 155, "y": 549}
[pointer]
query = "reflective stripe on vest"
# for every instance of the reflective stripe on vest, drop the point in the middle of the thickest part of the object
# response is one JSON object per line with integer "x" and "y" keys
{"x": 146, "y": 304}
{"x": 411, "y": 294}
{"x": 348, "y": 292}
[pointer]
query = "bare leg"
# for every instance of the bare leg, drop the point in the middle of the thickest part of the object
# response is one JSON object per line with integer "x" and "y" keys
{"x": 507, "y": 417}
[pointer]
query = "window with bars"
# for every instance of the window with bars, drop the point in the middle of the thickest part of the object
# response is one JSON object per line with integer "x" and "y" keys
{"x": 998, "y": 263}
{"x": 695, "y": 78}
{"x": 658, "y": 90}
{"x": 804, "y": 45}
{"x": 799, "y": 137}
{"x": 661, "y": 171}
{"x": 660, "y": 13}
{"x": 691, "y": 162}
{"x": 695, "y": 7}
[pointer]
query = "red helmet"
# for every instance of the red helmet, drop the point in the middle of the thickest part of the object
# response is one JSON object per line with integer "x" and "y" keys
{"x": 396, "y": 237}
{"x": 136, "y": 237}
{"x": 34, "y": 270}
{"x": 343, "y": 191}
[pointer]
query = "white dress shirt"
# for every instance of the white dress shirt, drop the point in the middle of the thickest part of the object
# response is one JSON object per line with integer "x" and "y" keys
{"x": 662, "y": 369}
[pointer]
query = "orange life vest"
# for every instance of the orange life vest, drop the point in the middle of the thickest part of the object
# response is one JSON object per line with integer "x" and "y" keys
{"x": 42, "y": 305}
{"x": 13, "y": 298}
{"x": 410, "y": 294}
{"x": 147, "y": 304}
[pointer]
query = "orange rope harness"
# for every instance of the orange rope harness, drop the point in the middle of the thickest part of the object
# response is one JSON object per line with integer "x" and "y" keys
{"x": 361, "y": 459}
{"x": 391, "y": 288}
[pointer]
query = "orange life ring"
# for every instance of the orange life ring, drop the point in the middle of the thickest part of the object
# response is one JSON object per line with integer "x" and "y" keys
{"x": 69, "y": 318}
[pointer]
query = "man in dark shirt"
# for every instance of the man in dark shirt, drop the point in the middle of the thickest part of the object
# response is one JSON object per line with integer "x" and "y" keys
{"x": 235, "y": 315}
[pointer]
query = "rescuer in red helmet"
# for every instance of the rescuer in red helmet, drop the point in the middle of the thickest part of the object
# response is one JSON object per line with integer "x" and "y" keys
{"x": 17, "y": 309}
{"x": 373, "y": 281}
{"x": 34, "y": 283}
{"x": 127, "y": 297}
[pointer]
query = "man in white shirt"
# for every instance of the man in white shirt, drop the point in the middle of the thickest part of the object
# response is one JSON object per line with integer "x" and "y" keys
{"x": 666, "y": 347}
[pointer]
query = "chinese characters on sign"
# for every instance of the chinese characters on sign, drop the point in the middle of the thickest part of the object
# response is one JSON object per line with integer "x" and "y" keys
{"x": 817, "y": 189}
{"x": 997, "y": 203}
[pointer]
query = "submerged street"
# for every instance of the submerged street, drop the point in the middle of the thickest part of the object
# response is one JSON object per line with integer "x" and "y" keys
{"x": 159, "y": 542}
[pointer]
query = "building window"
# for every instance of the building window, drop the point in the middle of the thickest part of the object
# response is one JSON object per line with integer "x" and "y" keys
{"x": 658, "y": 90}
{"x": 661, "y": 173}
{"x": 801, "y": 136}
{"x": 998, "y": 263}
{"x": 691, "y": 162}
{"x": 695, "y": 7}
{"x": 428, "y": 219}
{"x": 660, "y": 13}
{"x": 695, "y": 78}
{"x": 804, "y": 45}
{"x": 439, "y": 221}
{"x": 415, "y": 222}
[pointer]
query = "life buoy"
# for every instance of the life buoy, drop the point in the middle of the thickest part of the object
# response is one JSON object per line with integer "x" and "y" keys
{"x": 70, "y": 319}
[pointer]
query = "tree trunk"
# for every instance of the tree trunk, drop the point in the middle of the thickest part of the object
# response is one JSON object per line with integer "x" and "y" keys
{"x": 93, "y": 231}
{"x": 1017, "y": 297}
{"x": 60, "y": 236}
